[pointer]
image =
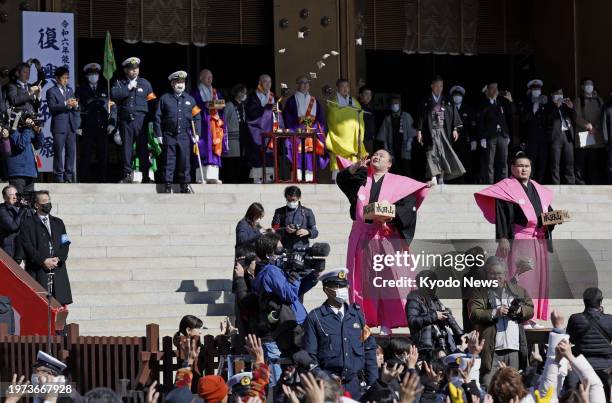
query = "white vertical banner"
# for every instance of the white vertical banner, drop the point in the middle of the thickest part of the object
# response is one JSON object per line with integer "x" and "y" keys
{"x": 48, "y": 37}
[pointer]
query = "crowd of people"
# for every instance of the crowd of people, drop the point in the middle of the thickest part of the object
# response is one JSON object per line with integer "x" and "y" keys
{"x": 453, "y": 136}
{"x": 331, "y": 353}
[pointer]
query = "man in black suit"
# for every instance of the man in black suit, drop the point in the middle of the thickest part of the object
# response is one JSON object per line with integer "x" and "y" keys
{"x": 494, "y": 132}
{"x": 560, "y": 123}
{"x": 11, "y": 216}
{"x": 65, "y": 121}
{"x": 43, "y": 243}
{"x": 96, "y": 125}
{"x": 21, "y": 95}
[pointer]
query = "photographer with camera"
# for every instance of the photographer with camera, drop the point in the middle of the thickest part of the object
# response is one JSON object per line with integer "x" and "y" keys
{"x": 21, "y": 95}
{"x": 295, "y": 223}
{"x": 25, "y": 132}
{"x": 432, "y": 325}
{"x": 246, "y": 301}
{"x": 279, "y": 283}
{"x": 498, "y": 314}
{"x": 12, "y": 213}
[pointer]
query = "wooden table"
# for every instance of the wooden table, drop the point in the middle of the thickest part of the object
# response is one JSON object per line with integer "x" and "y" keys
{"x": 295, "y": 138}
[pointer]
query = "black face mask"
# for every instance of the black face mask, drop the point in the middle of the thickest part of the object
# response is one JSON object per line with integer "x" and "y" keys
{"x": 45, "y": 208}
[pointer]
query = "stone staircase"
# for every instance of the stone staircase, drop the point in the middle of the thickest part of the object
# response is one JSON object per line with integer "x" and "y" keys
{"x": 140, "y": 257}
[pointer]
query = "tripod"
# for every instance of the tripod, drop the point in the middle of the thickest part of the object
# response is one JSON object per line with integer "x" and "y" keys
{"x": 50, "y": 278}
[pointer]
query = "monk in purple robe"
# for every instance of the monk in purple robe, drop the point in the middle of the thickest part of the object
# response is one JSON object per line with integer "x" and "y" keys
{"x": 303, "y": 112}
{"x": 214, "y": 142}
{"x": 263, "y": 115}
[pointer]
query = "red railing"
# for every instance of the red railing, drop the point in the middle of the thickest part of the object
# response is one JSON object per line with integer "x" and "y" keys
{"x": 29, "y": 300}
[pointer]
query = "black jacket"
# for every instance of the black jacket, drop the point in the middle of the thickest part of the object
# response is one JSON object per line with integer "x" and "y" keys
{"x": 94, "y": 107}
{"x": 302, "y": 217}
{"x": 10, "y": 221}
{"x": 421, "y": 313}
{"x": 492, "y": 115}
{"x": 452, "y": 121}
{"x": 33, "y": 247}
{"x": 533, "y": 125}
{"x": 553, "y": 123}
{"x": 591, "y": 333}
{"x": 606, "y": 123}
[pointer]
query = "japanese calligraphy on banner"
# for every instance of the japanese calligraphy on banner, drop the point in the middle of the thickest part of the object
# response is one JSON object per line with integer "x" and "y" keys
{"x": 48, "y": 37}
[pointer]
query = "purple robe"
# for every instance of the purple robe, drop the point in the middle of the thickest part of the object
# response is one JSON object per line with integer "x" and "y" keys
{"x": 205, "y": 144}
{"x": 260, "y": 120}
{"x": 292, "y": 122}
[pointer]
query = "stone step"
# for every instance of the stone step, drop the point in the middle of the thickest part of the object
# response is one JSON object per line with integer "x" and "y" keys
{"x": 142, "y": 311}
{"x": 189, "y": 286}
{"x": 110, "y": 298}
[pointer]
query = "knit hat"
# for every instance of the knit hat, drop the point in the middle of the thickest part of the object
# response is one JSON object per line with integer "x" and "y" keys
{"x": 212, "y": 388}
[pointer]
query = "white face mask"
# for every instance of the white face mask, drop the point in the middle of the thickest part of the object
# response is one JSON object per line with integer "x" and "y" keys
{"x": 395, "y": 108}
{"x": 557, "y": 97}
{"x": 93, "y": 78}
{"x": 179, "y": 88}
{"x": 293, "y": 204}
{"x": 342, "y": 295}
{"x": 457, "y": 99}
{"x": 536, "y": 93}
{"x": 588, "y": 89}
{"x": 242, "y": 98}
{"x": 34, "y": 379}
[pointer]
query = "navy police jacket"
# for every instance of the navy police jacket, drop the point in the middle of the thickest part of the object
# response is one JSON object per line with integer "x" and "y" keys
{"x": 174, "y": 115}
{"x": 132, "y": 102}
{"x": 337, "y": 345}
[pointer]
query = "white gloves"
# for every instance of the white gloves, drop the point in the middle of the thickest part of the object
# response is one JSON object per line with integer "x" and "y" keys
{"x": 79, "y": 132}
{"x": 507, "y": 140}
{"x": 160, "y": 140}
{"x": 133, "y": 84}
{"x": 110, "y": 129}
{"x": 117, "y": 139}
{"x": 473, "y": 145}
{"x": 483, "y": 143}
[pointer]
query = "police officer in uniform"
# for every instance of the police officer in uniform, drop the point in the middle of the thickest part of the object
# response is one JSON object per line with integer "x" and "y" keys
{"x": 338, "y": 339}
{"x": 174, "y": 115}
{"x": 96, "y": 125}
{"x": 133, "y": 96}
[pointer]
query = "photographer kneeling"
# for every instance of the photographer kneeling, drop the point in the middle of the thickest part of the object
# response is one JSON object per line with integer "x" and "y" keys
{"x": 432, "y": 326}
{"x": 280, "y": 285}
{"x": 498, "y": 313}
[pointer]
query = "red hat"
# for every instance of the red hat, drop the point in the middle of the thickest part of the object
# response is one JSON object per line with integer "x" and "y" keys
{"x": 212, "y": 388}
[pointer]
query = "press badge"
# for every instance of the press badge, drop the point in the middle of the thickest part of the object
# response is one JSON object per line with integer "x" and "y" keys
{"x": 65, "y": 239}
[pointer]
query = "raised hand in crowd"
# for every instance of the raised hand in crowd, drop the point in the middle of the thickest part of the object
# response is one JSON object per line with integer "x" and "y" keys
{"x": 152, "y": 393}
{"x": 413, "y": 357}
{"x": 391, "y": 373}
{"x": 474, "y": 345}
{"x": 18, "y": 387}
{"x": 557, "y": 319}
{"x": 190, "y": 349}
{"x": 410, "y": 388}
{"x": 254, "y": 347}
{"x": 314, "y": 388}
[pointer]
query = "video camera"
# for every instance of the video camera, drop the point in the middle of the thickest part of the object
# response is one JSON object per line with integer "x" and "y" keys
{"x": 513, "y": 309}
{"x": 304, "y": 261}
{"x": 20, "y": 120}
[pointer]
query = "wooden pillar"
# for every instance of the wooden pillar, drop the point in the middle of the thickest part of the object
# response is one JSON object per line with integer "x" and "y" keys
{"x": 329, "y": 25}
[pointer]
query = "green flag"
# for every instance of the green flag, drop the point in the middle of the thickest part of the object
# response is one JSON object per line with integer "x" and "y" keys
{"x": 109, "y": 58}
